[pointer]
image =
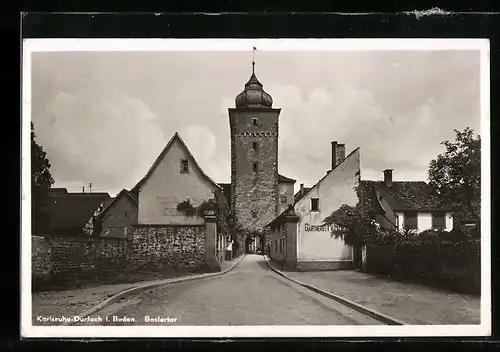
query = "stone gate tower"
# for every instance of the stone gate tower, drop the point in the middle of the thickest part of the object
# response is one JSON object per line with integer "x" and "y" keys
{"x": 254, "y": 156}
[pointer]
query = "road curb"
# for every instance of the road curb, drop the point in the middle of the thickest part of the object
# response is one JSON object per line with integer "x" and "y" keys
{"x": 132, "y": 290}
{"x": 383, "y": 318}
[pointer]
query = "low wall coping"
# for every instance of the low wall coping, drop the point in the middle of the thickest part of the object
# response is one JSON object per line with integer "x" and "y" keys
{"x": 166, "y": 225}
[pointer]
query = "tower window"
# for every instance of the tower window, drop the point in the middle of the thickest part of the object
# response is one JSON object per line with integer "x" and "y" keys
{"x": 254, "y": 121}
{"x": 184, "y": 166}
{"x": 255, "y": 146}
{"x": 314, "y": 204}
{"x": 255, "y": 167}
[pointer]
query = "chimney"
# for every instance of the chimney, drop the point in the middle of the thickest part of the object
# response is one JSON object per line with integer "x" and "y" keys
{"x": 83, "y": 189}
{"x": 340, "y": 156}
{"x": 334, "y": 154}
{"x": 388, "y": 177}
{"x": 90, "y": 187}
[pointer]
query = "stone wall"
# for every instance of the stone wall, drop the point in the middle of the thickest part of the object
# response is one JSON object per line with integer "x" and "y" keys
{"x": 63, "y": 261}
{"x": 111, "y": 253}
{"x": 178, "y": 246}
{"x": 57, "y": 259}
{"x": 254, "y": 193}
{"x": 71, "y": 255}
{"x": 40, "y": 257}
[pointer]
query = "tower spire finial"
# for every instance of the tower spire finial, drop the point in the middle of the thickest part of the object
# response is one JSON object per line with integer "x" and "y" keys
{"x": 253, "y": 60}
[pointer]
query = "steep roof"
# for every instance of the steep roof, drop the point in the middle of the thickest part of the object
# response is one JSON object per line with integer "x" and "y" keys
{"x": 402, "y": 195}
{"x": 317, "y": 183}
{"x": 298, "y": 195}
{"x": 175, "y": 137}
{"x": 284, "y": 179}
{"x": 70, "y": 211}
{"x": 123, "y": 193}
{"x": 58, "y": 191}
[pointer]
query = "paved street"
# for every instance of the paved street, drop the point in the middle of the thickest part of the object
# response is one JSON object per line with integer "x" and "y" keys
{"x": 251, "y": 294}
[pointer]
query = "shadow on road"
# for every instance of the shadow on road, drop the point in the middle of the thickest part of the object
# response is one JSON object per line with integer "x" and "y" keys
{"x": 262, "y": 262}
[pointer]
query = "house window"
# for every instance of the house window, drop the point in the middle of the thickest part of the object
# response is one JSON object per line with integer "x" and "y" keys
{"x": 255, "y": 167}
{"x": 314, "y": 204}
{"x": 275, "y": 245}
{"x": 255, "y": 146}
{"x": 438, "y": 220}
{"x": 184, "y": 166}
{"x": 254, "y": 121}
{"x": 283, "y": 199}
{"x": 411, "y": 220}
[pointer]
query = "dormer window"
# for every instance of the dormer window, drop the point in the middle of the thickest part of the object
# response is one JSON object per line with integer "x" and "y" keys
{"x": 184, "y": 166}
{"x": 254, "y": 121}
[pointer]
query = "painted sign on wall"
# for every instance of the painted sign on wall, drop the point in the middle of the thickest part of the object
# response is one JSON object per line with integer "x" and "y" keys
{"x": 323, "y": 227}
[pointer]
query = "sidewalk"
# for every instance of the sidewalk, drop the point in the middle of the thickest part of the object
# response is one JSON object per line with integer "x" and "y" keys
{"x": 73, "y": 302}
{"x": 410, "y": 303}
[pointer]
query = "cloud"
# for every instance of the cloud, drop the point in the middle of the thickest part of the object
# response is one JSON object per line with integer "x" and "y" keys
{"x": 104, "y": 117}
{"x": 202, "y": 143}
{"x": 104, "y": 137}
{"x": 350, "y": 115}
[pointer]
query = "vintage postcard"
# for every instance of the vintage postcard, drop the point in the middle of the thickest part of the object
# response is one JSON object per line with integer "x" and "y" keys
{"x": 255, "y": 188}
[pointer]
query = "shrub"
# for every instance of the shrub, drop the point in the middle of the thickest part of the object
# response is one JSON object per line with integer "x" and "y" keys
{"x": 428, "y": 258}
{"x": 187, "y": 208}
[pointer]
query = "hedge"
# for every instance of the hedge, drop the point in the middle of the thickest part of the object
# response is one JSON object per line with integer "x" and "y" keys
{"x": 446, "y": 264}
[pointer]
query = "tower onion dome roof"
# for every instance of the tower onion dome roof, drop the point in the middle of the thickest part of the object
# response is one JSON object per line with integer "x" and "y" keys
{"x": 253, "y": 96}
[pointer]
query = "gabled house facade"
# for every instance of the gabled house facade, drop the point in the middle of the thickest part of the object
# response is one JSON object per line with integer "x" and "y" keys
{"x": 307, "y": 244}
{"x": 302, "y": 241}
{"x": 285, "y": 191}
{"x": 410, "y": 205}
{"x": 119, "y": 213}
{"x": 174, "y": 177}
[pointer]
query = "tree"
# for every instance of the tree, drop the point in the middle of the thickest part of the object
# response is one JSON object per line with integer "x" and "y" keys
{"x": 354, "y": 224}
{"x": 41, "y": 181}
{"x": 351, "y": 224}
{"x": 456, "y": 174}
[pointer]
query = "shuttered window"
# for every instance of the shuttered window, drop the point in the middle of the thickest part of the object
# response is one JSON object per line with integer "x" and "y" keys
{"x": 411, "y": 220}
{"x": 438, "y": 220}
{"x": 184, "y": 166}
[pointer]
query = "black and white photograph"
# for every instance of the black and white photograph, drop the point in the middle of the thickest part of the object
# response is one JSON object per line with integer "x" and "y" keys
{"x": 255, "y": 188}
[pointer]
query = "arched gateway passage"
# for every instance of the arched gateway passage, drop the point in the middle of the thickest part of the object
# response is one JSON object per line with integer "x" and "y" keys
{"x": 254, "y": 243}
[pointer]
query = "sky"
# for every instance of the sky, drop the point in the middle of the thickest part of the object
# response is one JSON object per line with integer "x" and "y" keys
{"x": 104, "y": 117}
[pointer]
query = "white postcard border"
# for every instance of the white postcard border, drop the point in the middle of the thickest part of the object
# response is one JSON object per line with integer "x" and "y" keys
{"x": 151, "y": 45}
